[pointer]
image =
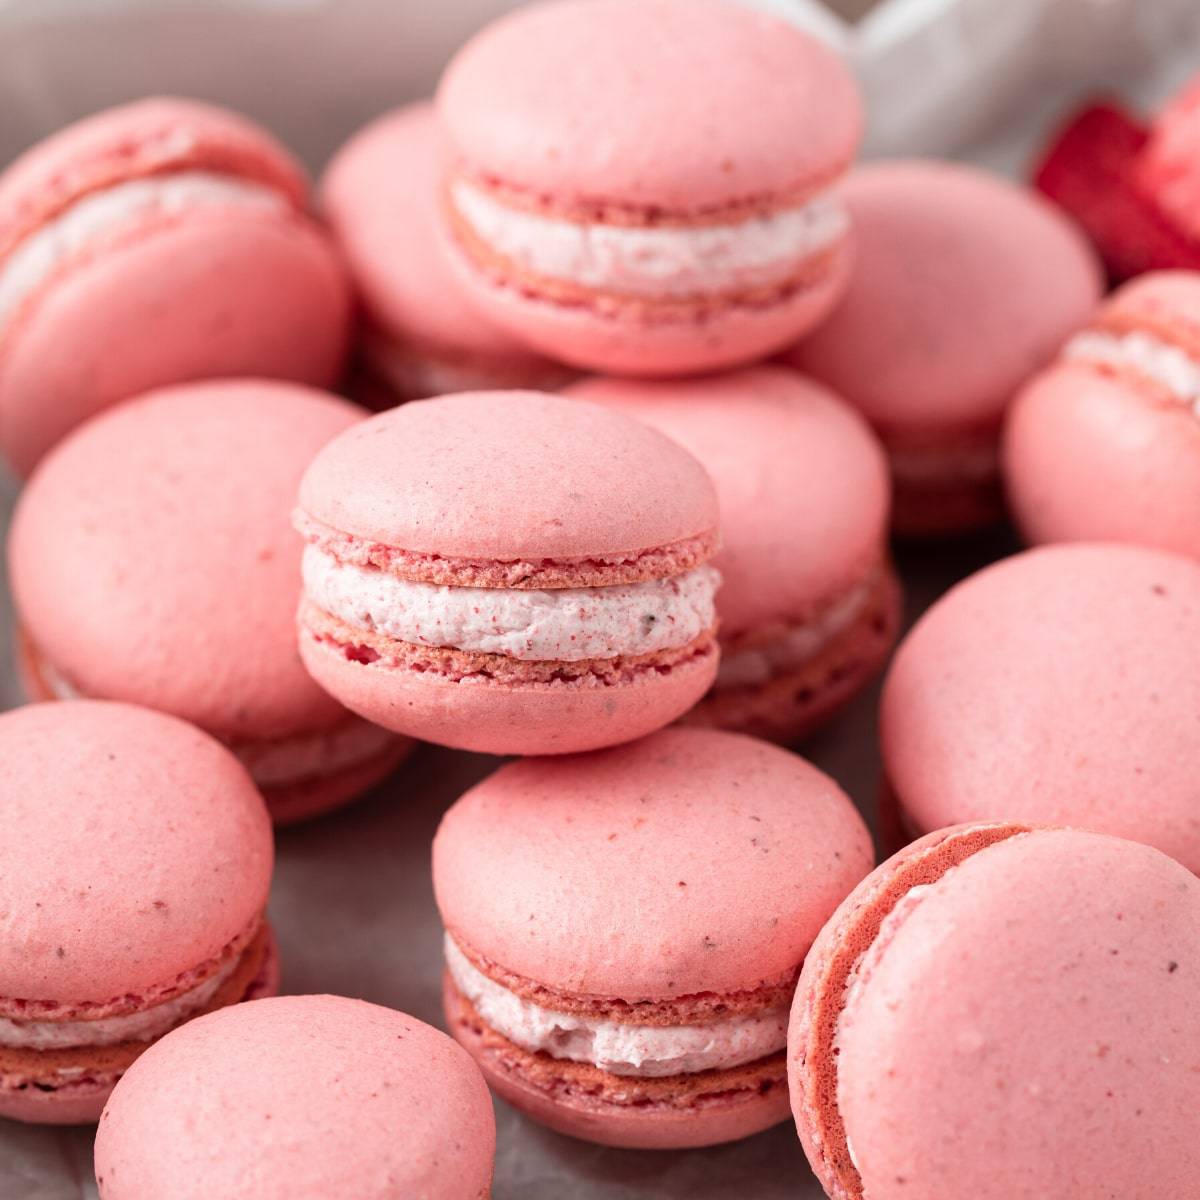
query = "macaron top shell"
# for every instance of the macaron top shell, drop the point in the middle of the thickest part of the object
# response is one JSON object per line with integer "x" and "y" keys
{"x": 299, "y": 1098}
{"x": 148, "y": 137}
{"x": 801, "y": 479}
{"x": 509, "y": 476}
{"x": 380, "y": 195}
{"x": 133, "y": 848}
{"x": 153, "y": 558}
{"x": 690, "y": 861}
{"x": 1162, "y": 302}
{"x": 1057, "y": 686}
{"x": 686, "y": 105}
{"x": 964, "y": 284}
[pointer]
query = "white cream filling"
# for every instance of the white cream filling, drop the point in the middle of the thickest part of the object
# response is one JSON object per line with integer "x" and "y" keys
{"x": 142, "y": 1026}
{"x": 798, "y": 645}
{"x": 99, "y": 214}
{"x": 1168, "y": 365}
{"x": 642, "y": 1051}
{"x": 558, "y": 625}
{"x": 657, "y": 262}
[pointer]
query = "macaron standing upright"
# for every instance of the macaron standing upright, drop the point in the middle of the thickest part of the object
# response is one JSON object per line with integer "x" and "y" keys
{"x": 511, "y": 572}
{"x": 644, "y": 186}
{"x": 421, "y": 336}
{"x": 151, "y": 244}
{"x": 135, "y": 858}
{"x": 964, "y": 285}
{"x": 308, "y": 1097}
{"x": 1060, "y": 686}
{"x": 1005, "y": 1013}
{"x": 809, "y": 604}
{"x": 624, "y": 930}
{"x": 153, "y": 561}
{"x": 1105, "y": 443}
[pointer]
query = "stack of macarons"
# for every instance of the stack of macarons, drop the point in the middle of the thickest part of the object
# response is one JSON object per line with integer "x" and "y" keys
{"x": 660, "y": 374}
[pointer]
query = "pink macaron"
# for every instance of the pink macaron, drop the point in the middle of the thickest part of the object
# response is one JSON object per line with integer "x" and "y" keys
{"x": 510, "y": 572}
{"x": 643, "y": 186}
{"x": 153, "y": 561}
{"x": 1060, "y": 686}
{"x": 1004, "y": 1013}
{"x": 135, "y": 857}
{"x": 624, "y": 930}
{"x": 964, "y": 285}
{"x": 299, "y": 1098}
{"x": 1105, "y": 443}
{"x": 809, "y": 605}
{"x": 152, "y": 244}
{"x": 421, "y": 336}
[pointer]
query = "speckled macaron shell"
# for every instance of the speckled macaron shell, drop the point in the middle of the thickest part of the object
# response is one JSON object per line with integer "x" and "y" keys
{"x": 1032, "y": 977}
{"x": 1098, "y": 452}
{"x": 380, "y": 196}
{"x": 592, "y": 106}
{"x": 311, "y": 1098}
{"x": 1056, "y": 686}
{"x": 219, "y": 291}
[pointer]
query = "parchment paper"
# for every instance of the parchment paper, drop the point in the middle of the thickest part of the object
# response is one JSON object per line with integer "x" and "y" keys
{"x": 352, "y": 902}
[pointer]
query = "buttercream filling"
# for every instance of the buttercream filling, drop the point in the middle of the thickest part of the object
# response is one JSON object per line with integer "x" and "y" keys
{"x": 142, "y": 1026}
{"x": 553, "y": 625}
{"x": 660, "y": 261}
{"x": 1168, "y": 365}
{"x": 797, "y": 645}
{"x": 102, "y": 213}
{"x": 641, "y": 1051}
{"x": 277, "y": 762}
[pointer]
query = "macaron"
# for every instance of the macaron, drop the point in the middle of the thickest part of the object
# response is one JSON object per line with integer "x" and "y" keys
{"x": 153, "y": 561}
{"x": 151, "y": 244}
{"x": 809, "y": 605}
{"x": 624, "y": 930}
{"x": 1166, "y": 168}
{"x": 135, "y": 857}
{"x": 511, "y": 572}
{"x": 1005, "y": 1013}
{"x": 299, "y": 1098}
{"x": 1105, "y": 443}
{"x": 1059, "y": 686}
{"x": 421, "y": 336}
{"x": 643, "y": 186}
{"x": 964, "y": 285}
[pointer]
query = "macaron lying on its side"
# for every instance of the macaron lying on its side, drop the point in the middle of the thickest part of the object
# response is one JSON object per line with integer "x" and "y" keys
{"x": 135, "y": 858}
{"x": 1060, "y": 686}
{"x": 624, "y": 930}
{"x": 809, "y": 604}
{"x": 1105, "y": 443}
{"x": 153, "y": 561}
{"x": 643, "y": 186}
{"x": 152, "y": 244}
{"x": 421, "y": 336}
{"x": 1004, "y": 1013}
{"x": 511, "y": 572}
{"x": 299, "y": 1098}
{"x": 963, "y": 286}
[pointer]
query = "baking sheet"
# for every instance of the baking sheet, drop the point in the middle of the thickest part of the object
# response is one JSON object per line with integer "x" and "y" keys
{"x": 352, "y": 902}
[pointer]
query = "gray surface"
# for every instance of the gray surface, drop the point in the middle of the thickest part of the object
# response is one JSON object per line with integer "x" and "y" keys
{"x": 353, "y": 908}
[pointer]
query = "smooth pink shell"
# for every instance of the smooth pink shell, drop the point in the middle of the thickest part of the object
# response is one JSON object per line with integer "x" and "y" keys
{"x": 801, "y": 481}
{"x": 299, "y": 1098}
{"x": 963, "y": 286}
{"x": 691, "y": 861}
{"x": 380, "y": 196}
{"x": 1030, "y": 1029}
{"x": 509, "y": 476}
{"x": 133, "y": 848}
{"x": 602, "y": 100}
{"x": 153, "y": 560}
{"x": 1058, "y": 687}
